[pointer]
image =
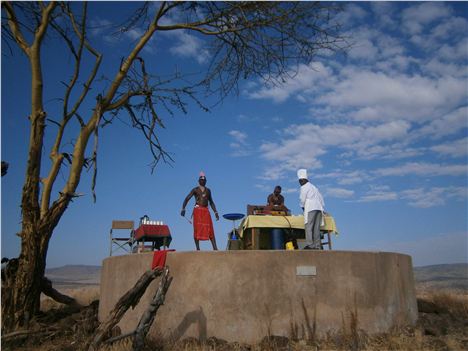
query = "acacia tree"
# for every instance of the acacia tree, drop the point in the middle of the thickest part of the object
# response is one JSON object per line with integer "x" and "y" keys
{"x": 245, "y": 40}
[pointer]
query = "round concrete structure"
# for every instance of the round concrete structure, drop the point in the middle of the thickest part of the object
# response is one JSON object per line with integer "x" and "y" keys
{"x": 245, "y": 295}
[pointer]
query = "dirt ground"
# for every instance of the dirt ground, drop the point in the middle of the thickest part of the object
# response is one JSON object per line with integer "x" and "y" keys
{"x": 442, "y": 325}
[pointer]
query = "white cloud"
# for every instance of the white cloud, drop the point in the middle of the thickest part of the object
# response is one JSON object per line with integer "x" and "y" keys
{"x": 353, "y": 178}
{"x": 244, "y": 118}
{"x": 339, "y": 193}
{"x": 448, "y": 124}
{"x": 437, "y": 196}
{"x": 239, "y": 146}
{"x": 456, "y": 148}
{"x": 384, "y": 11}
{"x": 134, "y": 33}
{"x": 364, "y": 49}
{"x": 273, "y": 173}
{"x": 377, "y": 96}
{"x": 396, "y": 64}
{"x": 373, "y": 46}
{"x": 111, "y": 35}
{"x": 441, "y": 33}
{"x": 99, "y": 25}
{"x": 384, "y": 95}
{"x": 303, "y": 144}
{"x": 306, "y": 80}
{"x": 269, "y": 189}
{"x": 346, "y": 177}
{"x": 263, "y": 187}
{"x": 291, "y": 156}
{"x": 450, "y": 27}
{"x": 415, "y": 18}
{"x": 390, "y": 47}
{"x": 457, "y": 52}
{"x": 290, "y": 190}
{"x": 435, "y": 67}
{"x": 379, "y": 194}
{"x": 351, "y": 14}
{"x": 414, "y": 98}
{"x": 188, "y": 45}
{"x": 388, "y": 152}
{"x": 241, "y": 137}
{"x": 418, "y": 197}
{"x": 277, "y": 94}
{"x": 423, "y": 169}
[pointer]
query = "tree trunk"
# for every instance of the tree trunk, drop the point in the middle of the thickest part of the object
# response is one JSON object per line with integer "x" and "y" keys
{"x": 21, "y": 289}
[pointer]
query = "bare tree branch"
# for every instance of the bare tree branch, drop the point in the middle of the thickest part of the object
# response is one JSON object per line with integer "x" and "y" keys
{"x": 148, "y": 316}
{"x": 41, "y": 30}
{"x": 124, "y": 99}
{"x": 55, "y": 155}
{"x": 130, "y": 298}
{"x": 148, "y": 131}
{"x": 94, "y": 159}
{"x": 48, "y": 290}
{"x": 82, "y": 37}
{"x": 15, "y": 29}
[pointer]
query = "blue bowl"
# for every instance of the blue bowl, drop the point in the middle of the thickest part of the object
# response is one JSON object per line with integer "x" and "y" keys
{"x": 233, "y": 216}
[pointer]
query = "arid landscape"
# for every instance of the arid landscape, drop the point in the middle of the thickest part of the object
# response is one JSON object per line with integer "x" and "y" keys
{"x": 442, "y": 293}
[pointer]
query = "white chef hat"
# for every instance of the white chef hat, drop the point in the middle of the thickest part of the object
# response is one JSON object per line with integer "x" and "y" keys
{"x": 302, "y": 174}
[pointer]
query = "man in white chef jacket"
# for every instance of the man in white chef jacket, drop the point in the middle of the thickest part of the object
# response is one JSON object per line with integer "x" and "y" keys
{"x": 313, "y": 205}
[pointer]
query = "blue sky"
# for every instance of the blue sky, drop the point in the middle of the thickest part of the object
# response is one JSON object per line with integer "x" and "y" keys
{"x": 383, "y": 131}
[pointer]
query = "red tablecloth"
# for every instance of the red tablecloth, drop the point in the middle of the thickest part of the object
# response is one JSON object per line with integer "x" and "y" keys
{"x": 149, "y": 231}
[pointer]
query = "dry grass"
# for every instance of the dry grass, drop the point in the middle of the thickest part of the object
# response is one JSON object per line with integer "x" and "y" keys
{"x": 83, "y": 295}
{"x": 454, "y": 304}
{"x": 442, "y": 325}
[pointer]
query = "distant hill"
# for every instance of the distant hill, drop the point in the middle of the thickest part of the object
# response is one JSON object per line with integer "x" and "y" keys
{"x": 74, "y": 275}
{"x": 442, "y": 276}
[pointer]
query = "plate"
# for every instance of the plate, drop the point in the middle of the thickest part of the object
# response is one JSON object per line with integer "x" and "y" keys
{"x": 233, "y": 216}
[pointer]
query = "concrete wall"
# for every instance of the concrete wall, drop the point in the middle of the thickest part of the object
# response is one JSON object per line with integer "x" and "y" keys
{"x": 246, "y": 295}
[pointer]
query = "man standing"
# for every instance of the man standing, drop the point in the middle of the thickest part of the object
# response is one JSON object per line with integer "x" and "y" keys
{"x": 313, "y": 205}
{"x": 202, "y": 223}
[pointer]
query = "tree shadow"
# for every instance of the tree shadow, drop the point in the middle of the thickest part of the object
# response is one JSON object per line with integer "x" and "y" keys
{"x": 197, "y": 316}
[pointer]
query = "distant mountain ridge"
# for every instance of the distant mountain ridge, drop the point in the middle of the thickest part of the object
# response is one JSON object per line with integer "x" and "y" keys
{"x": 73, "y": 269}
{"x": 74, "y": 275}
{"x": 454, "y": 269}
{"x": 441, "y": 276}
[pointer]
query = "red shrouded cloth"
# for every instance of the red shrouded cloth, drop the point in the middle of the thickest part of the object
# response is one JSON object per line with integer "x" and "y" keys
{"x": 159, "y": 258}
{"x": 202, "y": 224}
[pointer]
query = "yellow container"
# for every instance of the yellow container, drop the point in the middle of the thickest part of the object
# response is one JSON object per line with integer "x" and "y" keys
{"x": 289, "y": 245}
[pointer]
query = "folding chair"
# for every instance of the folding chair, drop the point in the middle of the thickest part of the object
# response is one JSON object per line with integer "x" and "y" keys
{"x": 326, "y": 230}
{"x": 324, "y": 233}
{"x": 121, "y": 242}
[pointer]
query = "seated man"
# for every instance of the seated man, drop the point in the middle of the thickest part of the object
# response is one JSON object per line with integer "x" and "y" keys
{"x": 276, "y": 201}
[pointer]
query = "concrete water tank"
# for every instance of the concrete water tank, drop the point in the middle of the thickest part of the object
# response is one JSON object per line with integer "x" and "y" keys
{"x": 246, "y": 295}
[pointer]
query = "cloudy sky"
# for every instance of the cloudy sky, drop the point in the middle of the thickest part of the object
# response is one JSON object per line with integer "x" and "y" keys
{"x": 382, "y": 130}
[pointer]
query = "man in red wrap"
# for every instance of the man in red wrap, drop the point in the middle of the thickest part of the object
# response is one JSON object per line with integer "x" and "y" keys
{"x": 202, "y": 223}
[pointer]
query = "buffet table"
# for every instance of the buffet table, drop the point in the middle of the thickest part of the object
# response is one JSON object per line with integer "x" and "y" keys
{"x": 295, "y": 223}
{"x": 159, "y": 235}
